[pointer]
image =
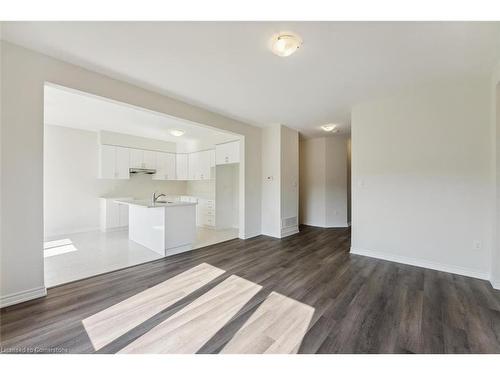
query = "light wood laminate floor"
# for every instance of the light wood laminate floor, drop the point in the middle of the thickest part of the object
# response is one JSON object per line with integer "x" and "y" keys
{"x": 336, "y": 302}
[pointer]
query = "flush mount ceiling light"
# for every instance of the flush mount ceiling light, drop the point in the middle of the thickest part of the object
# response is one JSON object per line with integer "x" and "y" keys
{"x": 329, "y": 128}
{"x": 285, "y": 43}
{"x": 176, "y": 132}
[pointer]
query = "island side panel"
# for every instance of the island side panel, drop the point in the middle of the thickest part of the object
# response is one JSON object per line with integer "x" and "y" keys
{"x": 180, "y": 228}
{"x": 147, "y": 227}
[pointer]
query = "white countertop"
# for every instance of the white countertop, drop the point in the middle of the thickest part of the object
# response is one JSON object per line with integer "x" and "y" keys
{"x": 147, "y": 203}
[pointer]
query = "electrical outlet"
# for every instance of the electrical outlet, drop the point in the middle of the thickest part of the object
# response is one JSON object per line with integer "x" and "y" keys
{"x": 476, "y": 244}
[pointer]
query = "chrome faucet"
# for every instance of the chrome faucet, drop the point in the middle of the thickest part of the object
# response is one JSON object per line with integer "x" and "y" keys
{"x": 155, "y": 197}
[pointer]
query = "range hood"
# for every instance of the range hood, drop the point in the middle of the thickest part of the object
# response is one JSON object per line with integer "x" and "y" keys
{"x": 141, "y": 171}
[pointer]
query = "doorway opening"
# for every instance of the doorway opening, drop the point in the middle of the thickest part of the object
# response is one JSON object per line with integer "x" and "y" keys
{"x": 124, "y": 185}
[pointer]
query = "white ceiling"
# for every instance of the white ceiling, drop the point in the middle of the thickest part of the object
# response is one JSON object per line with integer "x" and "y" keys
{"x": 78, "y": 110}
{"x": 227, "y": 66}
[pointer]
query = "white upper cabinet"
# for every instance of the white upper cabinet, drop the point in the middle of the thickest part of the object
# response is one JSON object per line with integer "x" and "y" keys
{"x": 149, "y": 159}
{"x": 142, "y": 159}
{"x": 227, "y": 153}
{"x": 181, "y": 163}
{"x": 165, "y": 166}
{"x": 122, "y": 162}
{"x": 201, "y": 165}
{"x": 194, "y": 166}
{"x": 113, "y": 162}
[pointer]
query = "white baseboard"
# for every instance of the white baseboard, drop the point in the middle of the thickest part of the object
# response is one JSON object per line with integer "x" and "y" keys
{"x": 422, "y": 263}
{"x": 346, "y": 225}
{"x": 495, "y": 284}
{"x": 178, "y": 249}
{"x": 285, "y": 232}
{"x": 14, "y": 298}
{"x": 248, "y": 236}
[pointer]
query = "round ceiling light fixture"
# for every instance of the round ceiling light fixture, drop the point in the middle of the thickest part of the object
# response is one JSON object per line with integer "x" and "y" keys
{"x": 285, "y": 43}
{"x": 177, "y": 132}
{"x": 329, "y": 128}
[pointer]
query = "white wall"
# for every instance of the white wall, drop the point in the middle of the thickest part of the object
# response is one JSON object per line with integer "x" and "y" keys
{"x": 324, "y": 182}
{"x": 289, "y": 180}
{"x": 312, "y": 181}
{"x": 71, "y": 187}
{"x": 421, "y": 177}
{"x": 280, "y": 171}
{"x": 201, "y": 189}
{"x": 495, "y": 172}
{"x": 24, "y": 73}
{"x": 271, "y": 181}
{"x": 336, "y": 154}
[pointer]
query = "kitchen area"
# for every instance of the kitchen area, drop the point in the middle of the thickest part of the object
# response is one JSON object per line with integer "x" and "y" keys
{"x": 124, "y": 186}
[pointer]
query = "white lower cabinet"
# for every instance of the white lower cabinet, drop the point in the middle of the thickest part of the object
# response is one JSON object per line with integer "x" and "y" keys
{"x": 114, "y": 215}
{"x": 205, "y": 213}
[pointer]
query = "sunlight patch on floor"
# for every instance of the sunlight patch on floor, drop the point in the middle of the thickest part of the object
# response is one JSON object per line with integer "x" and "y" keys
{"x": 115, "y": 321}
{"x": 276, "y": 327}
{"x": 189, "y": 329}
{"x": 58, "y": 247}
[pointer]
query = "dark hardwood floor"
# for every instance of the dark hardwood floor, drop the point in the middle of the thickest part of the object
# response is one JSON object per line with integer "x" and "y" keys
{"x": 362, "y": 305}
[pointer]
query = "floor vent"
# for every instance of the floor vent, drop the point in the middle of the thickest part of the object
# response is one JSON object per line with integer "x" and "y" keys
{"x": 289, "y": 222}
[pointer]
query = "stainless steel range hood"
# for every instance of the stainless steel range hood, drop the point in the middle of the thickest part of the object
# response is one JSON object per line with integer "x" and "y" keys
{"x": 141, "y": 171}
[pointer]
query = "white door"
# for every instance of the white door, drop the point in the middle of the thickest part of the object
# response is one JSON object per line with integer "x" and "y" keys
{"x": 122, "y": 156}
{"x": 181, "y": 163}
{"x": 107, "y": 161}
{"x": 136, "y": 158}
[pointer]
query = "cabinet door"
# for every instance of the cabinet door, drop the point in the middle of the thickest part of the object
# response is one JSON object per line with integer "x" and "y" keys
{"x": 123, "y": 215}
{"x": 161, "y": 166}
{"x": 170, "y": 168}
{"x": 181, "y": 166}
{"x": 211, "y": 167}
{"x": 204, "y": 157}
{"x": 112, "y": 214}
{"x": 136, "y": 158}
{"x": 122, "y": 156}
{"x": 106, "y": 161}
{"x": 194, "y": 166}
{"x": 149, "y": 159}
{"x": 227, "y": 153}
{"x": 233, "y": 152}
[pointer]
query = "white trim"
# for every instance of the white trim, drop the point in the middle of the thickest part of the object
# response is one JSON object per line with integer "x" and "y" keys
{"x": 285, "y": 232}
{"x": 14, "y": 298}
{"x": 248, "y": 236}
{"x": 422, "y": 263}
{"x": 495, "y": 284}
{"x": 178, "y": 249}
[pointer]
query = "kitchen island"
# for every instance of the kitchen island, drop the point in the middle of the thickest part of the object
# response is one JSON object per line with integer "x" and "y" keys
{"x": 165, "y": 227}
